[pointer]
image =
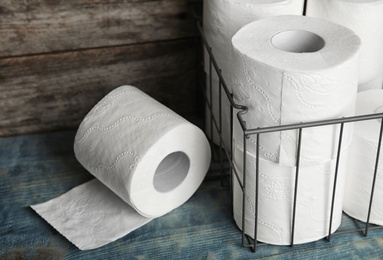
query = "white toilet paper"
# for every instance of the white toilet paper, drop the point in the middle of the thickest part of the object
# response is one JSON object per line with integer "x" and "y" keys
{"x": 150, "y": 160}
{"x": 221, "y": 20}
{"x": 291, "y": 69}
{"x": 276, "y": 197}
{"x": 365, "y": 18}
{"x": 361, "y": 167}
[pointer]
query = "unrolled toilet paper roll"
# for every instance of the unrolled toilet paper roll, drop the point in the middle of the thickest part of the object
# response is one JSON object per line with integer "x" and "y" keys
{"x": 365, "y": 18}
{"x": 291, "y": 69}
{"x": 363, "y": 152}
{"x": 276, "y": 196}
{"x": 147, "y": 161}
{"x": 221, "y": 20}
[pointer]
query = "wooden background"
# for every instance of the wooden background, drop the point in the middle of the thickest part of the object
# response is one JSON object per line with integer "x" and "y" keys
{"x": 58, "y": 58}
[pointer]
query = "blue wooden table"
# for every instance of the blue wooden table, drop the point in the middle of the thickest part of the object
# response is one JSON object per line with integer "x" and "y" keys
{"x": 36, "y": 168}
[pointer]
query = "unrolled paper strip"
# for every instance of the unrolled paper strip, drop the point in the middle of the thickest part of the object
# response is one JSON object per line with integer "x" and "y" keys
{"x": 363, "y": 152}
{"x": 147, "y": 161}
{"x": 292, "y": 69}
{"x": 276, "y": 196}
{"x": 221, "y": 20}
{"x": 365, "y": 18}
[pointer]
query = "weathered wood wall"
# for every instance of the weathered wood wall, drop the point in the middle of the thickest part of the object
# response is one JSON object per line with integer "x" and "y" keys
{"x": 59, "y": 57}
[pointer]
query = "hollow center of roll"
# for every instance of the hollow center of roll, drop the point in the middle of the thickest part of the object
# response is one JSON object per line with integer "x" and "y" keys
{"x": 171, "y": 171}
{"x": 297, "y": 41}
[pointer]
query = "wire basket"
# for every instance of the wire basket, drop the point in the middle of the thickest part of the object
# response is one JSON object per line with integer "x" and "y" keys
{"x": 225, "y": 154}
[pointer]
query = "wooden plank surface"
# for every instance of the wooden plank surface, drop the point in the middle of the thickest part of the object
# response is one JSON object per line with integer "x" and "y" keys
{"x": 55, "y": 91}
{"x": 43, "y": 26}
{"x": 58, "y": 58}
{"x": 37, "y": 168}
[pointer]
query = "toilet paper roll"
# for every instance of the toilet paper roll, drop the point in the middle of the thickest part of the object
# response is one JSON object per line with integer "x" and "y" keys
{"x": 147, "y": 161}
{"x": 276, "y": 196}
{"x": 221, "y": 20}
{"x": 291, "y": 69}
{"x": 363, "y": 152}
{"x": 365, "y": 18}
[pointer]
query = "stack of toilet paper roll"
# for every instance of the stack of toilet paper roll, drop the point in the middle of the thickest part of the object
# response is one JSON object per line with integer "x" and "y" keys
{"x": 221, "y": 20}
{"x": 291, "y": 69}
{"x": 147, "y": 161}
{"x": 365, "y": 18}
{"x": 276, "y": 199}
{"x": 363, "y": 154}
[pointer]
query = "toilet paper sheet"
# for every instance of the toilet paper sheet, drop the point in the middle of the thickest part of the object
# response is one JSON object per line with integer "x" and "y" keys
{"x": 365, "y": 18}
{"x": 221, "y": 20}
{"x": 276, "y": 196}
{"x": 147, "y": 161}
{"x": 361, "y": 167}
{"x": 291, "y": 69}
